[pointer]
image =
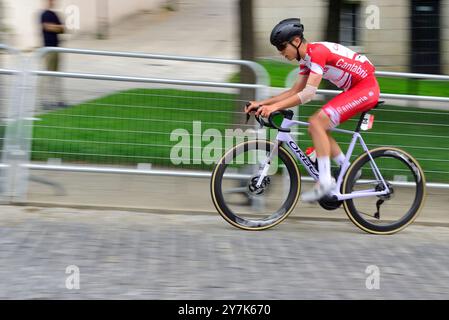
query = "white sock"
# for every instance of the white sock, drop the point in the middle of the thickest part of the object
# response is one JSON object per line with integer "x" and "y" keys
{"x": 324, "y": 168}
{"x": 340, "y": 159}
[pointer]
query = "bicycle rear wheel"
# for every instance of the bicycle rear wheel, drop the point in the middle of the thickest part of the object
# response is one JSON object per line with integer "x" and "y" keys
{"x": 392, "y": 212}
{"x": 236, "y": 196}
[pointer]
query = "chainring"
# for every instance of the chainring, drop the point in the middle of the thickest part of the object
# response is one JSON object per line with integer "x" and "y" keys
{"x": 329, "y": 203}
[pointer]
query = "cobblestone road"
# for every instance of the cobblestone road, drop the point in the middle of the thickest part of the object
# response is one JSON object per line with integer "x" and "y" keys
{"x": 129, "y": 255}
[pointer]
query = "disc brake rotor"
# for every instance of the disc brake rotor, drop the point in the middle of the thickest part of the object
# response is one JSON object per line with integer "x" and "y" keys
{"x": 252, "y": 185}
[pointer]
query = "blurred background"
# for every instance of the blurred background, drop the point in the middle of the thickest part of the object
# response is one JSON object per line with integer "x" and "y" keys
{"x": 401, "y": 36}
{"x": 137, "y": 101}
{"x": 104, "y": 128}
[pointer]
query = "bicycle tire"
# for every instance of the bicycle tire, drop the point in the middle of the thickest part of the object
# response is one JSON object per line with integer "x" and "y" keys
{"x": 287, "y": 207}
{"x": 357, "y": 218}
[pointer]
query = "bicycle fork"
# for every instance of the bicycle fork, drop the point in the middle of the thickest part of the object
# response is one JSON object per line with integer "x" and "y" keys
{"x": 267, "y": 163}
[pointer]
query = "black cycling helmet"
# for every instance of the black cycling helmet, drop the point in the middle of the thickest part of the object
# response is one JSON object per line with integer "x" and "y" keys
{"x": 285, "y": 30}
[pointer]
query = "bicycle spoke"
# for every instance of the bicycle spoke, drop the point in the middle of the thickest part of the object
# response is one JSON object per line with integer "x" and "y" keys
{"x": 265, "y": 197}
{"x": 367, "y": 214}
{"x": 236, "y": 190}
{"x": 392, "y": 211}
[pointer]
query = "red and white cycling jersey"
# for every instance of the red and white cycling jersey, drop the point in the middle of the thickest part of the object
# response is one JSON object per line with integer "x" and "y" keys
{"x": 338, "y": 64}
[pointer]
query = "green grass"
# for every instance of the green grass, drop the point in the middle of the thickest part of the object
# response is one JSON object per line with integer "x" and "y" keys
{"x": 427, "y": 141}
{"x": 134, "y": 127}
{"x": 279, "y": 71}
{"x": 436, "y": 160}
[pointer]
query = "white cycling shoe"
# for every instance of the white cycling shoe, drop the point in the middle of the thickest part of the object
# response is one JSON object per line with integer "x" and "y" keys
{"x": 318, "y": 192}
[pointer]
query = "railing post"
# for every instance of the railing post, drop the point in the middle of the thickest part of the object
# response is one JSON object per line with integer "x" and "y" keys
{"x": 13, "y": 149}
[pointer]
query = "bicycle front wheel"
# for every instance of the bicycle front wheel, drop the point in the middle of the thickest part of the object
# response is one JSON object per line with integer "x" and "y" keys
{"x": 234, "y": 188}
{"x": 390, "y": 213}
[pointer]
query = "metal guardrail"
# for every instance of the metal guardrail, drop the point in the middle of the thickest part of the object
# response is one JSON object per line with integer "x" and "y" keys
{"x": 20, "y": 157}
{"x": 262, "y": 77}
{"x": 426, "y": 162}
{"x": 294, "y": 73}
{"x": 12, "y": 102}
{"x": 407, "y": 97}
{"x": 412, "y": 75}
{"x": 9, "y": 49}
{"x": 88, "y": 76}
{"x": 261, "y": 88}
{"x": 9, "y": 71}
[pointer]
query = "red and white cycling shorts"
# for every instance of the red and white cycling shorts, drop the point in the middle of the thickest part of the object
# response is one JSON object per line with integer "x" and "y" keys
{"x": 361, "y": 97}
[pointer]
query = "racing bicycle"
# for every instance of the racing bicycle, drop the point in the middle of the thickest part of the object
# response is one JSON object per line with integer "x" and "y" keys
{"x": 256, "y": 184}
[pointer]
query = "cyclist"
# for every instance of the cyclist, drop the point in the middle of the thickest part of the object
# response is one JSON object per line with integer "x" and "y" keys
{"x": 348, "y": 70}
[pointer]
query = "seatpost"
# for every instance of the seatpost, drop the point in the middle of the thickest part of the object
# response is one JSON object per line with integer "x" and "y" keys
{"x": 359, "y": 124}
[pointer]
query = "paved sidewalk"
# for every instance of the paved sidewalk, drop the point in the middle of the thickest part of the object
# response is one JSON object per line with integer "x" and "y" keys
{"x": 174, "y": 194}
{"x": 128, "y": 255}
{"x": 199, "y": 28}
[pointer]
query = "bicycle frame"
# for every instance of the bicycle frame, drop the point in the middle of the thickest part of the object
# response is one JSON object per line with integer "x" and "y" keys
{"x": 285, "y": 137}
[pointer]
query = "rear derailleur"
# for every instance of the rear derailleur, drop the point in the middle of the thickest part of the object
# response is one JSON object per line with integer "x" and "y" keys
{"x": 383, "y": 198}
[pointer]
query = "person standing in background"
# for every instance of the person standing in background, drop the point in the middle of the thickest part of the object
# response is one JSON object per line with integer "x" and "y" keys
{"x": 51, "y": 29}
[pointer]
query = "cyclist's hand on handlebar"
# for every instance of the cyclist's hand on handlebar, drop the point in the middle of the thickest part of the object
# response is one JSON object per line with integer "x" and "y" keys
{"x": 266, "y": 110}
{"x": 251, "y": 106}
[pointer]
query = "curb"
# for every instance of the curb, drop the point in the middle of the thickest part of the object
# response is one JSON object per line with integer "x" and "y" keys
{"x": 429, "y": 223}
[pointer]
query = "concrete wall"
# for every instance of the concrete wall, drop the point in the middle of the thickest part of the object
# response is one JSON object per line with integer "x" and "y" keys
{"x": 388, "y": 46}
{"x": 22, "y": 17}
{"x": 267, "y": 13}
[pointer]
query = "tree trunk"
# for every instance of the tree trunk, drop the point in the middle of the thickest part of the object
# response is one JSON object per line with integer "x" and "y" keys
{"x": 332, "y": 31}
{"x": 2, "y": 89}
{"x": 333, "y": 20}
{"x": 246, "y": 50}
